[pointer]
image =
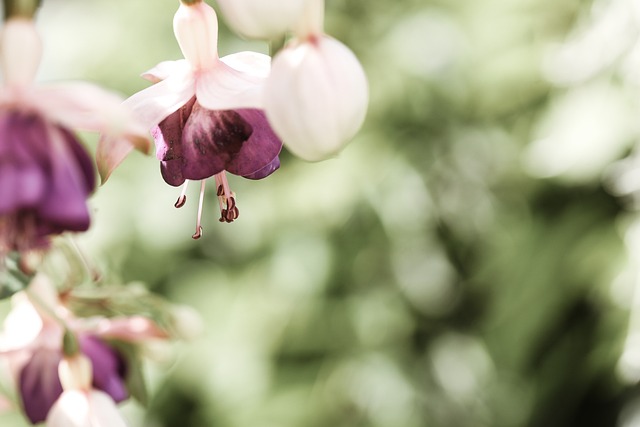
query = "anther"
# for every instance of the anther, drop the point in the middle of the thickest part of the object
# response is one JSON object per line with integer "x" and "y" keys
{"x": 181, "y": 201}
{"x": 220, "y": 190}
{"x": 198, "y": 234}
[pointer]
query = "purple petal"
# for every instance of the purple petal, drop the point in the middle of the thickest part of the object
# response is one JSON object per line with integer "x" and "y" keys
{"x": 168, "y": 139}
{"x": 71, "y": 181}
{"x": 39, "y": 384}
{"x": 23, "y": 161}
{"x": 108, "y": 367}
{"x": 259, "y": 151}
{"x": 266, "y": 170}
{"x": 211, "y": 140}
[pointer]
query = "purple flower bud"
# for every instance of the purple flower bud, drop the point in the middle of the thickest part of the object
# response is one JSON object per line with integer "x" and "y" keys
{"x": 45, "y": 178}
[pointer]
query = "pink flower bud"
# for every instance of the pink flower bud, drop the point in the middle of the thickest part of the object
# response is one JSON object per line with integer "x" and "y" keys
{"x": 316, "y": 97}
{"x": 262, "y": 19}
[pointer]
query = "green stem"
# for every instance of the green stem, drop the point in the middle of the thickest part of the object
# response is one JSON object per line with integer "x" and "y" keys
{"x": 190, "y": 2}
{"x": 20, "y": 8}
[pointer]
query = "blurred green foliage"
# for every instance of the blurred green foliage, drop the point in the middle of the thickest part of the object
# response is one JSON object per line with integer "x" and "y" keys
{"x": 429, "y": 276}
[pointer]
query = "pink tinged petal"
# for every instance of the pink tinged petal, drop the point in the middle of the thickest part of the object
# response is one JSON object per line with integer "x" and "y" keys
{"x": 316, "y": 97}
{"x": 20, "y": 51}
{"x": 196, "y": 29}
{"x": 39, "y": 383}
{"x": 132, "y": 329}
{"x": 262, "y": 19}
{"x": 85, "y": 106}
{"x": 153, "y": 104}
{"x": 225, "y": 88}
{"x": 165, "y": 69}
{"x": 92, "y": 408}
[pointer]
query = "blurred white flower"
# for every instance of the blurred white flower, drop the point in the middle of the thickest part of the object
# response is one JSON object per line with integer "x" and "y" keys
{"x": 262, "y": 19}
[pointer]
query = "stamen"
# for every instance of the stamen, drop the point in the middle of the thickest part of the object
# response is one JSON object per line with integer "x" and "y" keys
{"x": 198, "y": 232}
{"x": 183, "y": 198}
{"x": 228, "y": 209}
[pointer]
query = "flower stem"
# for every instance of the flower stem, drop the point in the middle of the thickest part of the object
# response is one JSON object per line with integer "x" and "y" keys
{"x": 190, "y": 2}
{"x": 20, "y": 8}
{"x": 311, "y": 22}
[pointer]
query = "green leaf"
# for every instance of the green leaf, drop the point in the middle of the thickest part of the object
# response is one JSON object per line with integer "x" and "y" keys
{"x": 12, "y": 278}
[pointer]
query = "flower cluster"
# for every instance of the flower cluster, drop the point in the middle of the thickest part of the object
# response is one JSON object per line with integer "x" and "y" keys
{"x": 208, "y": 116}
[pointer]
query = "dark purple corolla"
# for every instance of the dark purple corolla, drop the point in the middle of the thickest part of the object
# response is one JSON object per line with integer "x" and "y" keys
{"x": 40, "y": 385}
{"x": 206, "y": 113}
{"x": 45, "y": 179}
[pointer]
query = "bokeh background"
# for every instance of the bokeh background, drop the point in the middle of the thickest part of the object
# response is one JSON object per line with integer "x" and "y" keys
{"x": 469, "y": 260}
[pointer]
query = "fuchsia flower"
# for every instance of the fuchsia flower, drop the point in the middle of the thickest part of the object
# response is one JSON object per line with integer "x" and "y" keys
{"x": 31, "y": 342}
{"x": 206, "y": 114}
{"x": 45, "y": 173}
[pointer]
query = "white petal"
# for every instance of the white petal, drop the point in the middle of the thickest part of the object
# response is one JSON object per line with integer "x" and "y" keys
{"x": 262, "y": 19}
{"x": 225, "y": 88}
{"x": 153, "y": 104}
{"x": 70, "y": 410}
{"x": 104, "y": 412}
{"x": 20, "y": 51}
{"x": 316, "y": 97}
{"x": 253, "y": 63}
{"x": 165, "y": 69}
{"x": 76, "y": 408}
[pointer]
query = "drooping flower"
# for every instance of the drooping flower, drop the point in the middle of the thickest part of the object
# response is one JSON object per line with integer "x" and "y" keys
{"x": 205, "y": 112}
{"x": 81, "y": 405}
{"x": 262, "y": 19}
{"x": 46, "y": 174}
{"x": 316, "y": 96}
{"x": 31, "y": 343}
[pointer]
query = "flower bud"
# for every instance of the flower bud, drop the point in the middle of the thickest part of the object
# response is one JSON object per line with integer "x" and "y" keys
{"x": 262, "y": 19}
{"x": 316, "y": 97}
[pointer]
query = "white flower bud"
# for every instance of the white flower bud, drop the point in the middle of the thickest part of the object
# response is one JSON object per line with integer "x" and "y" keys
{"x": 262, "y": 19}
{"x": 316, "y": 97}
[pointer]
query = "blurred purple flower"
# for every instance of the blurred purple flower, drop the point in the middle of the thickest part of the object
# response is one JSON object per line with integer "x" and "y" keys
{"x": 45, "y": 173}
